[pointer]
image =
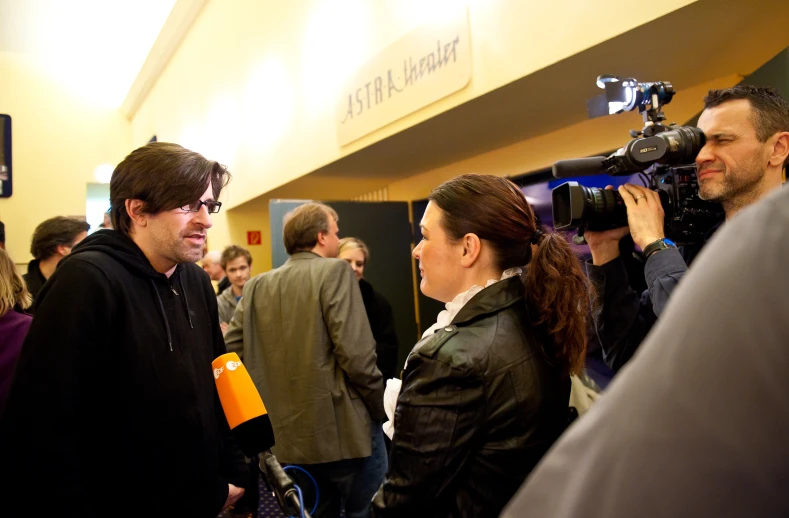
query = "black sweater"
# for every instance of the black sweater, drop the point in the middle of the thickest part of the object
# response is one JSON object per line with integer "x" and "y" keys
{"x": 113, "y": 409}
{"x": 381, "y": 318}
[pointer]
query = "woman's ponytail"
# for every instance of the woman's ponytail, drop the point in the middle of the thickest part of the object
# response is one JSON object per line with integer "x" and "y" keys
{"x": 560, "y": 292}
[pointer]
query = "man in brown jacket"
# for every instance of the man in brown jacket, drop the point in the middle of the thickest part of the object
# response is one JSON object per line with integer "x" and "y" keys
{"x": 303, "y": 334}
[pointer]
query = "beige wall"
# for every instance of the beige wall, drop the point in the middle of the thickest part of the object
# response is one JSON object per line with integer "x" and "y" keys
{"x": 255, "y": 84}
{"x": 58, "y": 140}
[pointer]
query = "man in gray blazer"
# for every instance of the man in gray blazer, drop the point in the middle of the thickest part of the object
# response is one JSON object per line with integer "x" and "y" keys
{"x": 304, "y": 337}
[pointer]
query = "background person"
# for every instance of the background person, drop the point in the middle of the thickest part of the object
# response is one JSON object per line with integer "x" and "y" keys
{"x": 237, "y": 263}
{"x": 379, "y": 311}
{"x": 14, "y": 322}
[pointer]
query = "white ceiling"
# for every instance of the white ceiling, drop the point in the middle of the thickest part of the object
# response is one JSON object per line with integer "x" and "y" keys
{"x": 95, "y": 47}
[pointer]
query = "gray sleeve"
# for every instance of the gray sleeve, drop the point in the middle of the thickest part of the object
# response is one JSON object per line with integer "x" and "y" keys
{"x": 696, "y": 424}
{"x": 234, "y": 338}
{"x": 349, "y": 329}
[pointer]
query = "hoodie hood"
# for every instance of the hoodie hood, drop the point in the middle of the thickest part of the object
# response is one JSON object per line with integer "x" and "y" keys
{"x": 121, "y": 248}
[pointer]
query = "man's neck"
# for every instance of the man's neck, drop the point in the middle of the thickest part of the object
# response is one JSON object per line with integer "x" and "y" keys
{"x": 47, "y": 266}
{"x": 159, "y": 264}
{"x": 236, "y": 290}
{"x": 318, "y": 250}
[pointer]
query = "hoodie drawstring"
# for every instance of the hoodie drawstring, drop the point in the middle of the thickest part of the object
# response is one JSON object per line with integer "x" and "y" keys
{"x": 186, "y": 300}
{"x": 164, "y": 315}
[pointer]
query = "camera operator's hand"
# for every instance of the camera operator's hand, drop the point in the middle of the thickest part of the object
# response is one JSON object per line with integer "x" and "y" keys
{"x": 644, "y": 214}
{"x": 605, "y": 245}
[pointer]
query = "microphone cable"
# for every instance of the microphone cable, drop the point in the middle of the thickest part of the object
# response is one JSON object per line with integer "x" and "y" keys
{"x": 298, "y": 489}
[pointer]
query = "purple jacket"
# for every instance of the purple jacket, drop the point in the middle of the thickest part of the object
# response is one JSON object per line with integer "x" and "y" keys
{"x": 13, "y": 329}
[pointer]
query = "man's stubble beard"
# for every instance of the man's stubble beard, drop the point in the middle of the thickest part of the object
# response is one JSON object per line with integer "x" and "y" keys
{"x": 734, "y": 183}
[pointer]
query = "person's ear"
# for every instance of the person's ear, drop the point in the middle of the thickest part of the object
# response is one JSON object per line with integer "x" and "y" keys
{"x": 780, "y": 150}
{"x": 134, "y": 210}
{"x": 472, "y": 247}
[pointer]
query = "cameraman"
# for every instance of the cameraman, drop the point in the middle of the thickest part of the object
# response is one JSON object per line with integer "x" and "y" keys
{"x": 746, "y": 150}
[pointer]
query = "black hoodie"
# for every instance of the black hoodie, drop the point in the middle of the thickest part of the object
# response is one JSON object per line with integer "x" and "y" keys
{"x": 113, "y": 409}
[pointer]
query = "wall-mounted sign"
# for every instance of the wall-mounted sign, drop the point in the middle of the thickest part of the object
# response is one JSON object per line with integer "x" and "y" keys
{"x": 253, "y": 237}
{"x": 429, "y": 63}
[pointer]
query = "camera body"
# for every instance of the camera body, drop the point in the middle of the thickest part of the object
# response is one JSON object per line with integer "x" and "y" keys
{"x": 665, "y": 153}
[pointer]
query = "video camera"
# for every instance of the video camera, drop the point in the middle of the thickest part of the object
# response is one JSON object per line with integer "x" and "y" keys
{"x": 667, "y": 153}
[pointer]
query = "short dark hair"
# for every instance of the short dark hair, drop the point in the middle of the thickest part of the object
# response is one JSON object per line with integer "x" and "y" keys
{"x": 303, "y": 224}
{"x": 232, "y": 253}
{"x": 164, "y": 176}
{"x": 55, "y": 232}
{"x": 770, "y": 110}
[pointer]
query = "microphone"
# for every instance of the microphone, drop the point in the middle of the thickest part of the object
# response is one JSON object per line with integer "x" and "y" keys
{"x": 244, "y": 409}
{"x": 578, "y": 167}
{"x": 246, "y": 414}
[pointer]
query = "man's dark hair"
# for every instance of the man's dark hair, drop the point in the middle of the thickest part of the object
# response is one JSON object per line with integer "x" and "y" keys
{"x": 233, "y": 252}
{"x": 770, "y": 111}
{"x": 164, "y": 176}
{"x": 55, "y": 232}
{"x": 303, "y": 224}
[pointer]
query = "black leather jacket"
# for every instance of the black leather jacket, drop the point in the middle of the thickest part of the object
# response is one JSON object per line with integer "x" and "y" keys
{"x": 479, "y": 406}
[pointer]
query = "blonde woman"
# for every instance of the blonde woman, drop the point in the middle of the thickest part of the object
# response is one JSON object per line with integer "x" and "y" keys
{"x": 379, "y": 311}
{"x": 14, "y": 322}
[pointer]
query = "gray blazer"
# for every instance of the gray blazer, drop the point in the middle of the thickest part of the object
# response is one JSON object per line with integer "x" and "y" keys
{"x": 304, "y": 337}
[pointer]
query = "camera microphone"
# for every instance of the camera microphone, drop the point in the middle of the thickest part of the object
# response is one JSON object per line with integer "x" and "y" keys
{"x": 578, "y": 167}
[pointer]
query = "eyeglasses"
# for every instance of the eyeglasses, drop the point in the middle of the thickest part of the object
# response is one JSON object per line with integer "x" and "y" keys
{"x": 211, "y": 205}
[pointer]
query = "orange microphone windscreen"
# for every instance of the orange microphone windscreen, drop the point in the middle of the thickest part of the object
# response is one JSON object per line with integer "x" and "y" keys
{"x": 238, "y": 394}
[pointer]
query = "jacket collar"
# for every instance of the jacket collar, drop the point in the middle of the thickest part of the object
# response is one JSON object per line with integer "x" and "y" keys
{"x": 299, "y": 256}
{"x": 492, "y": 299}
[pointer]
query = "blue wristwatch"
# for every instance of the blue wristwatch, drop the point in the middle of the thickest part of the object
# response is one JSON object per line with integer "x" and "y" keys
{"x": 656, "y": 246}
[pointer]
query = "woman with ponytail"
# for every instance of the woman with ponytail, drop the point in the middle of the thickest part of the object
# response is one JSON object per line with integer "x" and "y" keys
{"x": 485, "y": 392}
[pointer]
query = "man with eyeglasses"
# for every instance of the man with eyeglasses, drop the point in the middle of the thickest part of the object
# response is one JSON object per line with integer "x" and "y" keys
{"x": 113, "y": 409}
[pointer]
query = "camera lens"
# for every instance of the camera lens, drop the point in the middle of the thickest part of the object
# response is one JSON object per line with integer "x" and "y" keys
{"x": 604, "y": 209}
{"x": 683, "y": 144}
{"x": 574, "y": 204}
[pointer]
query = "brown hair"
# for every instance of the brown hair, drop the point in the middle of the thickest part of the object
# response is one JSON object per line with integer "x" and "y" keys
{"x": 354, "y": 243}
{"x": 303, "y": 224}
{"x": 557, "y": 290}
{"x": 55, "y": 232}
{"x": 164, "y": 176}
{"x": 769, "y": 111}
{"x": 13, "y": 290}
{"x": 233, "y": 252}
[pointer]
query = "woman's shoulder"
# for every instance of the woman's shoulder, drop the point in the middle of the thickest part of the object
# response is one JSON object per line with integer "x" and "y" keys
{"x": 13, "y": 320}
{"x": 481, "y": 344}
